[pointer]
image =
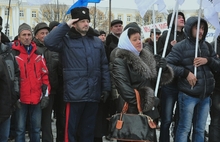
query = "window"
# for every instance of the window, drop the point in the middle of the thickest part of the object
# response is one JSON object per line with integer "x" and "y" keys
{"x": 21, "y": 14}
{"x": 119, "y": 17}
{"x": 128, "y": 18}
{"x": 159, "y": 19}
{"x": 6, "y": 11}
{"x": 34, "y": 14}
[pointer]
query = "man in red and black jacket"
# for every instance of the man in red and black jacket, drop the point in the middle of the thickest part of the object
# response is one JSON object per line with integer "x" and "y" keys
{"x": 34, "y": 84}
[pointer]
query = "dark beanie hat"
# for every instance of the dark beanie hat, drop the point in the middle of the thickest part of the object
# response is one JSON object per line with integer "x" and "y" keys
{"x": 117, "y": 21}
{"x": 80, "y": 12}
{"x": 156, "y": 30}
{"x": 24, "y": 26}
{"x": 40, "y": 26}
{"x": 102, "y": 32}
{"x": 53, "y": 24}
{"x": 132, "y": 25}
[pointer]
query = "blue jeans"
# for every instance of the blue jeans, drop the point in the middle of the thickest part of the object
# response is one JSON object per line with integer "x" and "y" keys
{"x": 169, "y": 96}
{"x": 34, "y": 114}
{"x": 4, "y": 130}
{"x": 192, "y": 111}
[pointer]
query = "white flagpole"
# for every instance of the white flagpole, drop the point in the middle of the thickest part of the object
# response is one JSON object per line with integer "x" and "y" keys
{"x": 197, "y": 37}
{"x": 165, "y": 48}
{"x": 176, "y": 19}
{"x": 215, "y": 45}
{"x": 155, "y": 48}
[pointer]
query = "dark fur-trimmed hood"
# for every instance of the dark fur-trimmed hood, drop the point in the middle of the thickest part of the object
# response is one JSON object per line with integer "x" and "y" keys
{"x": 144, "y": 64}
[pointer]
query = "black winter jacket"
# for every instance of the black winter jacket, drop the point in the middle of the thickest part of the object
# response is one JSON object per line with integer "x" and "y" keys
{"x": 131, "y": 72}
{"x": 9, "y": 82}
{"x": 161, "y": 41}
{"x": 181, "y": 60}
{"x": 52, "y": 61}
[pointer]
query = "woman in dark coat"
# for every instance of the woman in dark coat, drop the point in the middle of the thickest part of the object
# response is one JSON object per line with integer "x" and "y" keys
{"x": 133, "y": 67}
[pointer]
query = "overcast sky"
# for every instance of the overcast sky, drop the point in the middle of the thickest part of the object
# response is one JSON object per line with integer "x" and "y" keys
{"x": 188, "y": 4}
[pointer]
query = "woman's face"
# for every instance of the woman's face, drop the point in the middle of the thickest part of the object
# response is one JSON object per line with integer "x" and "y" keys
{"x": 136, "y": 41}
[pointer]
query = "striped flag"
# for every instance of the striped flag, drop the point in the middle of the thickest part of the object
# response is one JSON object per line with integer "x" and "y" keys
{"x": 81, "y": 3}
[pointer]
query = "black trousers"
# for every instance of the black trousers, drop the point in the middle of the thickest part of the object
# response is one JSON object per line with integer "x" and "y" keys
{"x": 214, "y": 127}
{"x": 47, "y": 135}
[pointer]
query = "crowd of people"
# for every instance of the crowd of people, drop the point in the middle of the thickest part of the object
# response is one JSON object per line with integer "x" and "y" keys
{"x": 86, "y": 76}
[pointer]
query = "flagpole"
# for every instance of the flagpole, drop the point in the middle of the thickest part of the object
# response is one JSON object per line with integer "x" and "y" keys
{"x": 215, "y": 45}
{"x": 109, "y": 17}
{"x": 7, "y": 26}
{"x": 176, "y": 19}
{"x": 155, "y": 48}
{"x": 197, "y": 37}
{"x": 165, "y": 48}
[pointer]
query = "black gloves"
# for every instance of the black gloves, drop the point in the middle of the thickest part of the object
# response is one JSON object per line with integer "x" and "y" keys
{"x": 18, "y": 104}
{"x": 45, "y": 98}
{"x": 161, "y": 62}
{"x": 44, "y": 102}
{"x": 157, "y": 58}
{"x": 104, "y": 96}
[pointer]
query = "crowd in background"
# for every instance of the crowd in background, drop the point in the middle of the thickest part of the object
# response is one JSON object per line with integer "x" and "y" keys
{"x": 85, "y": 76}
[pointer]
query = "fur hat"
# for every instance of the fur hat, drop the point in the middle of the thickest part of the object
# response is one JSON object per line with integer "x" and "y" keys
{"x": 24, "y": 26}
{"x": 53, "y": 24}
{"x": 81, "y": 13}
{"x": 117, "y": 21}
{"x": 40, "y": 26}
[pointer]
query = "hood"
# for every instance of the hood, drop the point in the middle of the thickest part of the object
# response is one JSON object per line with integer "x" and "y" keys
{"x": 169, "y": 19}
{"x": 4, "y": 48}
{"x": 20, "y": 47}
{"x": 190, "y": 23}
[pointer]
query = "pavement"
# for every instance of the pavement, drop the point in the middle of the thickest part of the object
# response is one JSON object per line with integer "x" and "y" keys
{"x": 104, "y": 140}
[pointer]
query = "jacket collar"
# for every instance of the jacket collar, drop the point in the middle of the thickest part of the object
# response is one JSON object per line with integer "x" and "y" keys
{"x": 144, "y": 64}
{"x": 75, "y": 34}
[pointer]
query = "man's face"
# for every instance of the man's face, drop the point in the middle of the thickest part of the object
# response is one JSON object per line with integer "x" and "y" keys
{"x": 201, "y": 31}
{"x": 41, "y": 34}
{"x": 157, "y": 36}
{"x": 25, "y": 37}
{"x": 82, "y": 26}
{"x": 102, "y": 37}
{"x": 117, "y": 29}
{"x": 180, "y": 21}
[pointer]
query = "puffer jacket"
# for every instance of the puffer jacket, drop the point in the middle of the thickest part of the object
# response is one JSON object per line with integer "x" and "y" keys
{"x": 85, "y": 66}
{"x": 161, "y": 41}
{"x": 131, "y": 72}
{"x": 217, "y": 73}
{"x": 33, "y": 73}
{"x": 181, "y": 60}
{"x": 52, "y": 62}
{"x": 9, "y": 80}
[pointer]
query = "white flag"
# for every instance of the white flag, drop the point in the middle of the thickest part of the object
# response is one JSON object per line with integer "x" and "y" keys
{"x": 161, "y": 6}
{"x": 38, "y": 2}
{"x": 180, "y": 2}
{"x": 216, "y": 4}
{"x": 205, "y": 3}
{"x": 211, "y": 15}
{"x": 144, "y": 5}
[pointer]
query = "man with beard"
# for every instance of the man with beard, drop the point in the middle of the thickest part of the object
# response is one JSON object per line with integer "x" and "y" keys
{"x": 85, "y": 73}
